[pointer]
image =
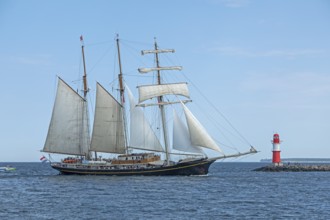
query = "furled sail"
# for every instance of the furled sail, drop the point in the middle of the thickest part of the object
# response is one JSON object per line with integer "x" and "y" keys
{"x": 151, "y": 91}
{"x": 108, "y": 129}
{"x": 198, "y": 134}
{"x": 68, "y": 131}
{"x": 141, "y": 134}
{"x": 181, "y": 137}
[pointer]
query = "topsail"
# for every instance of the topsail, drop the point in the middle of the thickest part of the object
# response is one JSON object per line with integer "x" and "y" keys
{"x": 152, "y": 91}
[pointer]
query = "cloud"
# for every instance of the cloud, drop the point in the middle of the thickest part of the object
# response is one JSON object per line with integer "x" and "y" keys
{"x": 291, "y": 89}
{"x": 231, "y": 3}
{"x": 235, "y": 3}
{"x": 305, "y": 82}
{"x": 30, "y": 60}
{"x": 291, "y": 53}
{"x": 287, "y": 53}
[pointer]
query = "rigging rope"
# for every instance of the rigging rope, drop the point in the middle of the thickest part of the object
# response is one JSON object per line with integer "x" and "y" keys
{"x": 100, "y": 59}
{"x": 214, "y": 107}
{"x": 217, "y": 125}
{"x": 217, "y": 110}
{"x": 127, "y": 43}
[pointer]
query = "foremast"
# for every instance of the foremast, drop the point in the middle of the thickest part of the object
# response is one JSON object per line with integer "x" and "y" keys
{"x": 158, "y": 69}
{"x": 122, "y": 94}
{"x": 85, "y": 83}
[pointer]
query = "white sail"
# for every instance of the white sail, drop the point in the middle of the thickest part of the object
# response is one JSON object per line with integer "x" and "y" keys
{"x": 141, "y": 134}
{"x": 151, "y": 91}
{"x": 68, "y": 131}
{"x": 108, "y": 129}
{"x": 198, "y": 134}
{"x": 181, "y": 137}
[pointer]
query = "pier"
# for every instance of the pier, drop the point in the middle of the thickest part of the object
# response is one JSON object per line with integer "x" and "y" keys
{"x": 295, "y": 168}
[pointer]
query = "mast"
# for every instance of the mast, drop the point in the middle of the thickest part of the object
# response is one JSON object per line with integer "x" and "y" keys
{"x": 161, "y": 107}
{"x": 85, "y": 75}
{"x": 121, "y": 91}
{"x": 158, "y": 68}
{"x": 85, "y": 82}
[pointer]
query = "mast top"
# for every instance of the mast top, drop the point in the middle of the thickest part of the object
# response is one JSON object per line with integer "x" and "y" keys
{"x": 156, "y": 51}
{"x": 85, "y": 74}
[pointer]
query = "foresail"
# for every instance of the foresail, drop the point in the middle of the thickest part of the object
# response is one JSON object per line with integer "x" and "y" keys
{"x": 108, "y": 129}
{"x": 198, "y": 134}
{"x": 141, "y": 134}
{"x": 181, "y": 137}
{"x": 151, "y": 91}
{"x": 68, "y": 131}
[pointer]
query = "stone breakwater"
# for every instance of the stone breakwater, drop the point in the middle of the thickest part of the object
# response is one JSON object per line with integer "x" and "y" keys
{"x": 294, "y": 168}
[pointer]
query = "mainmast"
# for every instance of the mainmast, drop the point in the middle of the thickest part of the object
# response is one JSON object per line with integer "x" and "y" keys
{"x": 122, "y": 95}
{"x": 159, "y": 81}
{"x": 162, "y": 110}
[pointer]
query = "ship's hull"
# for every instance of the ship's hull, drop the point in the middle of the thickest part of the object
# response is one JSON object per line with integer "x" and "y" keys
{"x": 198, "y": 167}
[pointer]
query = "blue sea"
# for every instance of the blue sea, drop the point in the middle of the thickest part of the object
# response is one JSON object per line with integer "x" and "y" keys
{"x": 229, "y": 191}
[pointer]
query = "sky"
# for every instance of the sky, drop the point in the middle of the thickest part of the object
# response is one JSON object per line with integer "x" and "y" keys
{"x": 265, "y": 65}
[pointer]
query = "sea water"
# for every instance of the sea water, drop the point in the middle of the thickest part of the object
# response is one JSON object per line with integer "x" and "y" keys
{"x": 229, "y": 191}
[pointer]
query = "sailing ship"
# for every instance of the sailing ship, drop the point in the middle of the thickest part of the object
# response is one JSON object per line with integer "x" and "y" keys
{"x": 139, "y": 150}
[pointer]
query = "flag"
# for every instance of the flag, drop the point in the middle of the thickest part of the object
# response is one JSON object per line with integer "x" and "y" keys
{"x": 43, "y": 159}
{"x": 81, "y": 38}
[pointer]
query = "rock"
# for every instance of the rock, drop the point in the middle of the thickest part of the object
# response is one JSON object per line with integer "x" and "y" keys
{"x": 294, "y": 168}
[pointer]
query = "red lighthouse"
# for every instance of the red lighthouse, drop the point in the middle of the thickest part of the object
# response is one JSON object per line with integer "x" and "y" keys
{"x": 276, "y": 150}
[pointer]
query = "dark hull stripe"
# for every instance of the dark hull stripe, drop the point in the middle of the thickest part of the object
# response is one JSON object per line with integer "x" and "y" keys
{"x": 186, "y": 169}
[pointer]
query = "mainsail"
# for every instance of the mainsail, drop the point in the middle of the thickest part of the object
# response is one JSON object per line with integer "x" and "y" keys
{"x": 108, "y": 129}
{"x": 141, "y": 134}
{"x": 68, "y": 131}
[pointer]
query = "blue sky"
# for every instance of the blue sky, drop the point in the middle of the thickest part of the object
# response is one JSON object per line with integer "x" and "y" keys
{"x": 264, "y": 64}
